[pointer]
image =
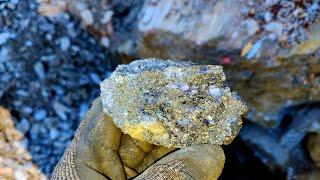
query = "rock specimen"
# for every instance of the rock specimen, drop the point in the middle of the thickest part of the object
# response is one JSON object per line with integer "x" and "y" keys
{"x": 174, "y": 104}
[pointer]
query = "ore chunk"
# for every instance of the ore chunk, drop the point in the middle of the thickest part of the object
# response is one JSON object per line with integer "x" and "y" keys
{"x": 174, "y": 104}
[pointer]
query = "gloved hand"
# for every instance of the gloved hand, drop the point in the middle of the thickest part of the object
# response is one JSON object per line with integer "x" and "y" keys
{"x": 100, "y": 150}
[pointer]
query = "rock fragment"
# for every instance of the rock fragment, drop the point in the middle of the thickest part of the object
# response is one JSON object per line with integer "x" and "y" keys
{"x": 274, "y": 27}
{"x": 251, "y": 26}
{"x": 51, "y": 10}
{"x": 95, "y": 15}
{"x": 39, "y": 70}
{"x": 174, "y": 104}
{"x": 65, "y": 43}
{"x": 4, "y": 36}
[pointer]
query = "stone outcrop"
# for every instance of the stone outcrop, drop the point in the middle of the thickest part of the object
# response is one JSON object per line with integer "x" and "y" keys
{"x": 267, "y": 89}
{"x": 203, "y": 29}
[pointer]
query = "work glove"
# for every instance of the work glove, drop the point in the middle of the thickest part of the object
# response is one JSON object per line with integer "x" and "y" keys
{"x": 100, "y": 150}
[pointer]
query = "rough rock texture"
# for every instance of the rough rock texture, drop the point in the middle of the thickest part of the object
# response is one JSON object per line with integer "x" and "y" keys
{"x": 15, "y": 161}
{"x": 96, "y": 15}
{"x": 174, "y": 104}
{"x": 260, "y": 32}
{"x": 253, "y": 29}
{"x": 266, "y": 84}
{"x": 110, "y": 21}
{"x": 287, "y": 152}
{"x": 267, "y": 89}
{"x": 171, "y": 28}
{"x": 175, "y": 28}
{"x": 50, "y": 70}
{"x": 257, "y": 29}
{"x": 192, "y": 30}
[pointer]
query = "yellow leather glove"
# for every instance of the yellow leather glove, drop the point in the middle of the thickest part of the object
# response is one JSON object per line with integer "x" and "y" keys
{"x": 100, "y": 150}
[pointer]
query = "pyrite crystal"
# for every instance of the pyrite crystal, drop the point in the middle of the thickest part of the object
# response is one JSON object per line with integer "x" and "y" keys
{"x": 173, "y": 104}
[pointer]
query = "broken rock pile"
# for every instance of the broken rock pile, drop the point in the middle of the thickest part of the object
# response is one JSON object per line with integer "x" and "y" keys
{"x": 15, "y": 161}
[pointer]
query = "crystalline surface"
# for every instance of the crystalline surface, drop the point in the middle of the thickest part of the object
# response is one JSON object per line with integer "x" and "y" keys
{"x": 174, "y": 104}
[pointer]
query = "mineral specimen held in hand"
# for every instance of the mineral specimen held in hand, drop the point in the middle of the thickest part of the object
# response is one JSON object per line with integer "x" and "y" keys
{"x": 174, "y": 104}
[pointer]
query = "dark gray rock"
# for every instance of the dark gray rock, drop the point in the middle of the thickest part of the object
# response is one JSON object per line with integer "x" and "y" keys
{"x": 54, "y": 133}
{"x": 64, "y": 43}
{"x": 40, "y": 114}
{"x": 281, "y": 146}
{"x": 39, "y": 69}
{"x": 95, "y": 78}
{"x": 4, "y": 37}
{"x": 23, "y": 126}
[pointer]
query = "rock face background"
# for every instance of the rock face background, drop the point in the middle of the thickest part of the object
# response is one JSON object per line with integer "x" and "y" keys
{"x": 173, "y": 104}
{"x": 259, "y": 29}
{"x": 269, "y": 50}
